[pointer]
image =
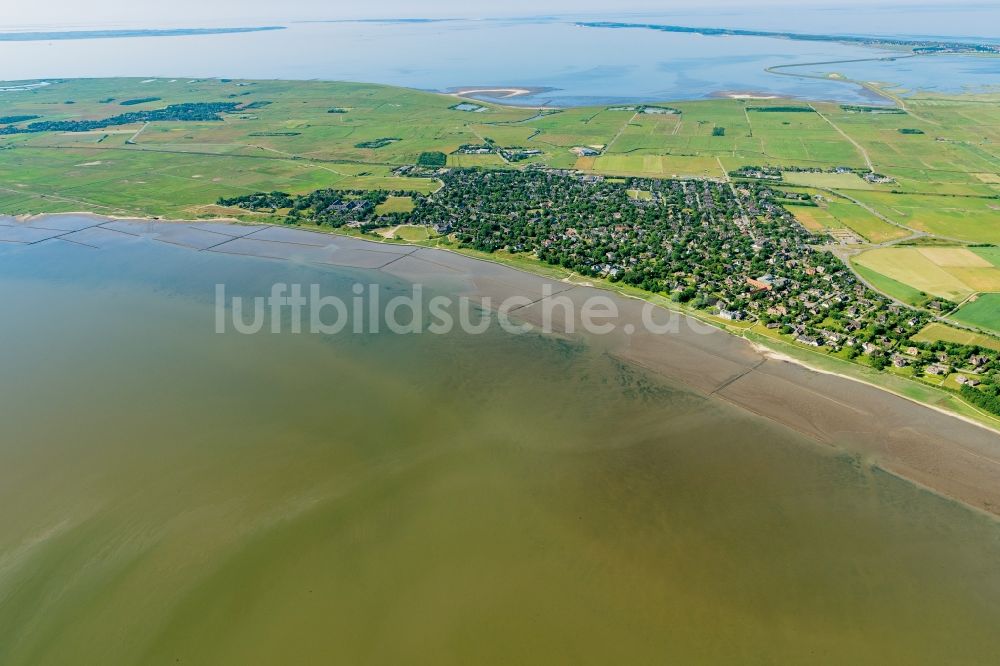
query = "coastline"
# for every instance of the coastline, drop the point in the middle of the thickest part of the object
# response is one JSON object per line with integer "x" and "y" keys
{"x": 984, "y": 420}
{"x": 764, "y": 346}
{"x": 944, "y": 452}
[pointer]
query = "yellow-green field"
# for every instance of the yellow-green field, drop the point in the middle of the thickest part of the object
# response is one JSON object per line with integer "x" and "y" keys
{"x": 659, "y": 166}
{"x": 815, "y": 218}
{"x": 951, "y": 273}
{"x": 940, "y": 332}
{"x": 833, "y": 212}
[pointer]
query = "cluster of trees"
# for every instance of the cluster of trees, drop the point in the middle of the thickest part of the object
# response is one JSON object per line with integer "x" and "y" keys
{"x": 10, "y": 120}
{"x": 986, "y": 398}
{"x": 664, "y": 110}
{"x": 189, "y": 112}
{"x": 853, "y": 108}
{"x": 140, "y": 100}
{"x": 259, "y": 201}
{"x": 766, "y": 172}
{"x": 333, "y": 208}
{"x": 432, "y": 159}
{"x": 377, "y": 143}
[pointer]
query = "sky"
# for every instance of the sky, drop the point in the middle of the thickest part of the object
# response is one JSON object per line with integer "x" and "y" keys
{"x": 153, "y": 13}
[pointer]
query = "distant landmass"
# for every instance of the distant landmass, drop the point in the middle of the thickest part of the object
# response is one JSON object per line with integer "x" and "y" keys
{"x": 384, "y": 20}
{"x": 929, "y": 45}
{"x": 111, "y": 34}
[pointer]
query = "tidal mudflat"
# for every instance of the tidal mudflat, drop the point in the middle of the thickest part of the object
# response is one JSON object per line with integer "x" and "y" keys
{"x": 176, "y": 495}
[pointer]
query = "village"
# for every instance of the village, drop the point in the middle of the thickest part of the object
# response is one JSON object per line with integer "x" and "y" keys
{"x": 728, "y": 250}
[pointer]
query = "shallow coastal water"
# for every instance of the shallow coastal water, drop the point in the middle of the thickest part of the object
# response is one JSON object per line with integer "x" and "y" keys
{"x": 174, "y": 495}
{"x": 575, "y": 65}
{"x": 941, "y": 74}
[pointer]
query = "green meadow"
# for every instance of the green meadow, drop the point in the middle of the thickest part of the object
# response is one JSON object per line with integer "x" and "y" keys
{"x": 293, "y": 122}
{"x": 973, "y": 219}
{"x": 395, "y": 204}
{"x": 983, "y": 312}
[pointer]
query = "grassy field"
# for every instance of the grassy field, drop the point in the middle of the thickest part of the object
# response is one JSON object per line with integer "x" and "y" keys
{"x": 951, "y": 273}
{"x": 395, "y": 204}
{"x": 983, "y": 312}
{"x": 888, "y": 286}
{"x": 937, "y": 331}
{"x": 412, "y": 233}
{"x": 990, "y": 254}
{"x": 862, "y": 222}
{"x": 963, "y": 218}
{"x": 640, "y": 195}
{"x": 490, "y": 160}
{"x": 296, "y": 125}
{"x": 658, "y": 166}
{"x": 844, "y": 181}
{"x": 835, "y": 212}
{"x": 815, "y": 218}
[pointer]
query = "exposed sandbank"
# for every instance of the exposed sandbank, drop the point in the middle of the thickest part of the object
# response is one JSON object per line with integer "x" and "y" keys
{"x": 498, "y": 92}
{"x": 746, "y": 95}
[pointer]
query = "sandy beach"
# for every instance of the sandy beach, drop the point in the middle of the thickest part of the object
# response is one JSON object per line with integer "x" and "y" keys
{"x": 953, "y": 457}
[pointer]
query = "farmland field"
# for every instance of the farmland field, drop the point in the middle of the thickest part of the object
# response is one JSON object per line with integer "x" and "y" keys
{"x": 990, "y": 254}
{"x": 489, "y": 160}
{"x": 890, "y": 287}
{"x": 659, "y": 166}
{"x": 937, "y": 331}
{"x": 834, "y": 212}
{"x": 951, "y": 273}
{"x": 861, "y": 221}
{"x": 847, "y": 181}
{"x": 814, "y": 218}
{"x": 972, "y": 219}
{"x": 984, "y": 312}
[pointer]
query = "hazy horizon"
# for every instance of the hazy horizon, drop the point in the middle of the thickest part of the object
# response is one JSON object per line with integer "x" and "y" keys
{"x": 110, "y": 13}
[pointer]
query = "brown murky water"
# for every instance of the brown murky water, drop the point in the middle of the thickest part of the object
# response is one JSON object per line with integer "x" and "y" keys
{"x": 170, "y": 495}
